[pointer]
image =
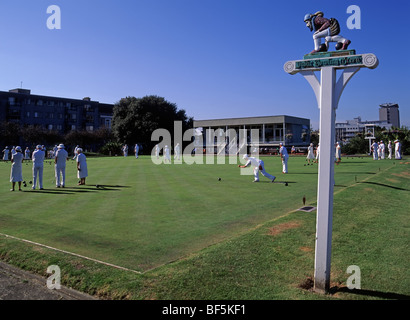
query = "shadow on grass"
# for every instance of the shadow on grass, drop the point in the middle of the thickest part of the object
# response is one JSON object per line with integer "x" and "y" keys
{"x": 385, "y": 185}
{"x": 308, "y": 284}
{"x": 356, "y": 173}
{"x": 370, "y": 293}
{"x": 80, "y": 189}
{"x": 315, "y": 173}
{"x": 276, "y": 181}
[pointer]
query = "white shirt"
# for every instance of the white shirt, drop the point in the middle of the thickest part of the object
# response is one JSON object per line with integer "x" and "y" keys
{"x": 283, "y": 151}
{"x": 253, "y": 161}
{"x": 61, "y": 157}
{"x": 38, "y": 157}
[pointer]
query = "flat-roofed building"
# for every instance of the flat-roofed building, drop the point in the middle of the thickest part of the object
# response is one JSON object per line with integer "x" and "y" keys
{"x": 389, "y": 112}
{"x": 54, "y": 113}
{"x": 268, "y": 132}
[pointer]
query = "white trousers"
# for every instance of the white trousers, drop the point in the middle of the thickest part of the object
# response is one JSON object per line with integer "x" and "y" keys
{"x": 37, "y": 170}
{"x": 285, "y": 164}
{"x": 60, "y": 176}
{"x": 326, "y": 34}
{"x": 261, "y": 168}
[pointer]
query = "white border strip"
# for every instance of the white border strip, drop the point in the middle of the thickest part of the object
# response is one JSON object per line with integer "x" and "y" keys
{"x": 70, "y": 253}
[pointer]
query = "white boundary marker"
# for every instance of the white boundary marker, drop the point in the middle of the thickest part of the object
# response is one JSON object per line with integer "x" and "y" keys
{"x": 70, "y": 253}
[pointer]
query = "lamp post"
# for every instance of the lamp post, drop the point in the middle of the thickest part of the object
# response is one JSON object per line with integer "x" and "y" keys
{"x": 328, "y": 92}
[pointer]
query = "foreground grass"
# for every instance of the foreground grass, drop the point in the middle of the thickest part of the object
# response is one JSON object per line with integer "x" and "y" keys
{"x": 265, "y": 257}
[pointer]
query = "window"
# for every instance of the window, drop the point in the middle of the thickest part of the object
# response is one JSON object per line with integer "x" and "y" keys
{"x": 88, "y": 108}
{"x": 36, "y": 115}
{"x": 12, "y": 101}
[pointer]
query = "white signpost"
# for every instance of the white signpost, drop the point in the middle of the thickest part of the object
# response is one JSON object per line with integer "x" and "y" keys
{"x": 328, "y": 92}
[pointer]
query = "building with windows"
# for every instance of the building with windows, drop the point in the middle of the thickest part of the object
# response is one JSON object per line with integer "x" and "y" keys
{"x": 389, "y": 112}
{"x": 388, "y": 117}
{"x": 54, "y": 113}
{"x": 266, "y": 132}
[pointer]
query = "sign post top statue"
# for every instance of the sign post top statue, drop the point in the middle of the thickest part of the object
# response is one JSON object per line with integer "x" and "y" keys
{"x": 329, "y": 30}
{"x": 328, "y": 92}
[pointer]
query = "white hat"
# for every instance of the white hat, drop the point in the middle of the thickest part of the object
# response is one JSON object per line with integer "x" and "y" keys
{"x": 61, "y": 146}
{"x": 18, "y": 148}
{"x": 39, "y": 147}
{"x": 245, "y": 156}
{"x": 79, "y": 150}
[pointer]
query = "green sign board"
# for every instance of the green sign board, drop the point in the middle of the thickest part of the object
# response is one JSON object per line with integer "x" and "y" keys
{"x": 334, "y": 62}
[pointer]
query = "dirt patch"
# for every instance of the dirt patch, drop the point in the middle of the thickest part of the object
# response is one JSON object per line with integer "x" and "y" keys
{"x": 404, "y": 174}
{"x": 306, "y": 249}
{"x": 307, "y": 284}
{"x": 274, "y": 231}
{"x": 393, "y": 180}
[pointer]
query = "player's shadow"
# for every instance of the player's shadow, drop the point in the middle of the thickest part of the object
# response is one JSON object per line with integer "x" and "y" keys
{"x": 51, "y": 191}
{"x": 371, "y": 293}
{"x": 315, "y": 173}
{"x": 80, "y": 189}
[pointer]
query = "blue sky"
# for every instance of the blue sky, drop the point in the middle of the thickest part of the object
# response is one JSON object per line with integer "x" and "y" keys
{"x": 213, "y": 58}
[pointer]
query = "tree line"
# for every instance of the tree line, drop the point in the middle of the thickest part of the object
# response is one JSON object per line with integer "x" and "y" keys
{"x": 360, "y": 145}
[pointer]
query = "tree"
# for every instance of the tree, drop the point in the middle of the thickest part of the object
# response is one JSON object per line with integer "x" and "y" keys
{"x": 356, "y": 145}
{"x": 10, "y": 133}
{"x": 134, "y": 119}
{"x": 359, "y": 144}
{"x": 402, "y": 134}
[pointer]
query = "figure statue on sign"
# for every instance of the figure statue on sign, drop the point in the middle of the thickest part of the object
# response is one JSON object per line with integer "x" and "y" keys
{"x": 328, "y": 29}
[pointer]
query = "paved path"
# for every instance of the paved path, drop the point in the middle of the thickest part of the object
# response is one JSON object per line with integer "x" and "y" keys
{"x": 16, "y": 284}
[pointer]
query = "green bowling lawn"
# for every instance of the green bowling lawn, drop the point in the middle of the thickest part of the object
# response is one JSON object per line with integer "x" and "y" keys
{"x": 190, "y": 235}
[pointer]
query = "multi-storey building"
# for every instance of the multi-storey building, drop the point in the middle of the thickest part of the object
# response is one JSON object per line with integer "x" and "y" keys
{"x": 54, "y": 113}
{"x": 389, "y": 112}
{"x": 388, "y": 118}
